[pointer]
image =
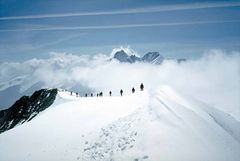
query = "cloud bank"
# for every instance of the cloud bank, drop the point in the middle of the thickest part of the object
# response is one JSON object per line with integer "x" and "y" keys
{"x": 213, "y": 78}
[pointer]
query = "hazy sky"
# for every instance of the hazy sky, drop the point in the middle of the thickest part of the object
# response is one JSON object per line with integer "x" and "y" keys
{"x": 30, "y": 29}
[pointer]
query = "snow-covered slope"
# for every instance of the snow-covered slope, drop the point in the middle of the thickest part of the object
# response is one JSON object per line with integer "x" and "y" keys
{"x": 150, "y": 125}
{"x": 12, "y": 90}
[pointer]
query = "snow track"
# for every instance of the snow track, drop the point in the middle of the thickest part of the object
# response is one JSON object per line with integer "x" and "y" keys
{"x": 150, "y": 125}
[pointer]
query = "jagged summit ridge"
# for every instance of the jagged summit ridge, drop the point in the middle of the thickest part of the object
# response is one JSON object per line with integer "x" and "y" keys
{"x": 26, "y": 108}
{"x": 150, "y": 57}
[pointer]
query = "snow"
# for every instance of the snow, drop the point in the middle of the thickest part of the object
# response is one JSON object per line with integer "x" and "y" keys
{"x": 149, "y": 125}
{"x": 10, "y": 123}
{"x": 14, "y": 90}
{"x": 15, "y": 81}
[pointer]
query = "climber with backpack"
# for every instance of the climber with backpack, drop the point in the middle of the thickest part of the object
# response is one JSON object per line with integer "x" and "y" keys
{"x": 133, "y": 90}
{"x": 141, "y": 87}
{"x": 121, "y": 92}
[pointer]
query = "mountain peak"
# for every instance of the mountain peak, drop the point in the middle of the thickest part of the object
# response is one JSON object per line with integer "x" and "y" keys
{"x": 150, "y": 57}
{"x": 153, "y": 57}
{"x": 152, "y": 54}
{"x": 122, "y": 56}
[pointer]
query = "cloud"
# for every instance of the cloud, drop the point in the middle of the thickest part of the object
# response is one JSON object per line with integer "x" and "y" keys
{"x": 120, "y": 26}
{"x": 213, "y": 78}
{"x": 162, "y": 8}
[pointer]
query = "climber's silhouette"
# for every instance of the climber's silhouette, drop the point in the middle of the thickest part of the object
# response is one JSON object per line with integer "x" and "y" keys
{"x": 97, "y": 94}
{"x": 76, "y": 94}
{"x": 121, "y": 92}
{"x": 141, "y": 87}
{"x": 101, "y": 94}
{"x": 91, "y": 95}
{"x": 110, "y": 93}
{"x": 71, "y": 92}
{"x": 133, "y": 90}
{"x": 86, "y": 95}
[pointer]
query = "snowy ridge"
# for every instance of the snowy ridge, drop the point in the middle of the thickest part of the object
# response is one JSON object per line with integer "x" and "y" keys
{"x": 26, "y": 108}
{"x": 150, "y": 125}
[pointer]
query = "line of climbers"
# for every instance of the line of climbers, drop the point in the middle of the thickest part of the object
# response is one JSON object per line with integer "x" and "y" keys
{"x": 110, "y": 92}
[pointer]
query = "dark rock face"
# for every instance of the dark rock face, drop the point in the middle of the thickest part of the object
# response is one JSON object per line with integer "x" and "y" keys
{"x": 121, "y": 56}
{"x": 26, "y": 108}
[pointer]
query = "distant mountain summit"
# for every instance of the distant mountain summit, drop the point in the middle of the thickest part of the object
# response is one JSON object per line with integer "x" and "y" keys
{"x": 150, "y": 57}
{"x": 153, "y": 57}
{"x": 122, "y": 56}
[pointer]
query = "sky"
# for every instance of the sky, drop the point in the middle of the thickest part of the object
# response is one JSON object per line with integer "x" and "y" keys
{"x": 177, "y": 29}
